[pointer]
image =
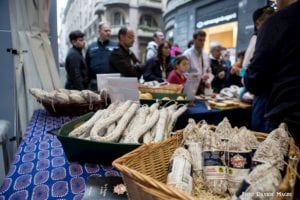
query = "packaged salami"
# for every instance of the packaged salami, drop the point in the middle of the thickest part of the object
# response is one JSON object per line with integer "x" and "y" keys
{"x": 274, "y": 147}
{"x": 180, "y": 171}
{"x": 214, "y": 164}
{"x": 193, "y": 140}
{"x": 239, "y": 158}
{"x": 267, "y": 162}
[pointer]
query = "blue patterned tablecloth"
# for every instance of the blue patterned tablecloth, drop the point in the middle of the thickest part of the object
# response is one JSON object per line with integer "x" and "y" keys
{"x": 40, "y": 169}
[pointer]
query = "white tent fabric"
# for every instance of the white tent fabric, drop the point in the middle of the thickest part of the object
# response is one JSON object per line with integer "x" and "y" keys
{"x": 36, "y": 67}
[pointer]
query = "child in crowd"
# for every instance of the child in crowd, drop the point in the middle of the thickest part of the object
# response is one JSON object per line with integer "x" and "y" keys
{"x": 181, "y": 65}
{"x": 175, "y": 51}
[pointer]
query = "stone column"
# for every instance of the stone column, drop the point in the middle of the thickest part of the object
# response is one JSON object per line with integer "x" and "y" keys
{"x": 133, "y": 23}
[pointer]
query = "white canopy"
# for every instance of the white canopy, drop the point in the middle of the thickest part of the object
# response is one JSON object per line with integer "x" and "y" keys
{"x": 36, "y": 68}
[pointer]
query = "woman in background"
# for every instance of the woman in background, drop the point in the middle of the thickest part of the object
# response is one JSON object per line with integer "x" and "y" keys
{"x": 181, "y": 65}
{"x": 158, "y": 68}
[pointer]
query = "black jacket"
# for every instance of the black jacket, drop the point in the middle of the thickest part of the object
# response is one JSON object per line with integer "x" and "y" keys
{"x": 77, "y": 72}
{"x": 275, "y": 68}
{"x": 218, "y": 66}
{"x": 125, "y": 62}
{"x": 97, "y": 58}
{"x": 153, "y": 70}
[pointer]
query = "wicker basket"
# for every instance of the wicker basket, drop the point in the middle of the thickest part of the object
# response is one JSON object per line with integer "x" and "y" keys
{"x": 74, "y": 109}
{"x": 145, "y": 170}
{"x": 168, "y": 89}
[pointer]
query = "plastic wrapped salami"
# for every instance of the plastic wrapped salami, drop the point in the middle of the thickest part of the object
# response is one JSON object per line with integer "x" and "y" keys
{"x": 214, "y": 164}
{"x": 274, "y": 147}
{"x": 225, "y": 130}
{"x": 268, "y": 160}
{"x": 193, "y": 139}
{"x": 239, "y": 158}
{"x": 260, "y": 184}
{"x": 180, "y": 171}
{"x": 215, "y": 157}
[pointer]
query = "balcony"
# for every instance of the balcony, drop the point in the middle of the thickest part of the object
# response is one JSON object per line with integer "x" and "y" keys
{"x": 144, "y": 34}
{"x": 99, "y": 8}
{"x": 146, "y": 31}
{"x": 116, "y": 2}
{"x": 148, "y": 4}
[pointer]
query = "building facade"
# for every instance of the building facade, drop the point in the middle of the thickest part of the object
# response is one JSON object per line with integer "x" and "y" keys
{"x": 144, "y": 16}
{"x": 226, "y": 21}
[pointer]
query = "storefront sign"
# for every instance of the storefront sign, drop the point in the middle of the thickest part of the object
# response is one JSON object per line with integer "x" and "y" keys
{"x": 217, "y": 20}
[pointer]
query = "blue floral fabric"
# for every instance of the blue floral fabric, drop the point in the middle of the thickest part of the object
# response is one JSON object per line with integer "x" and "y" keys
{"x": 40, "y": 169}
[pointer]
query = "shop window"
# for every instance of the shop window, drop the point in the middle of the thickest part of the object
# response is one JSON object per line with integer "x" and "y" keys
{"x": 226, "y": 34}
{"x": 118, "y": 19}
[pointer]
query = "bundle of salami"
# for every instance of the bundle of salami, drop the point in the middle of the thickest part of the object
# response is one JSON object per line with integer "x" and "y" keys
{"x": 229, "y": 161}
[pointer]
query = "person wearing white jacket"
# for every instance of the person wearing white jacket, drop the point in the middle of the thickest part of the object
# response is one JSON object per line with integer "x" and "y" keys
{"x": 199, "y": 61}
{"x": 151, "y": 50}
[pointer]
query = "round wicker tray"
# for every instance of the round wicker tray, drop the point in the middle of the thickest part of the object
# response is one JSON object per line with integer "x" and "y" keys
{"x": 74, "y": 109}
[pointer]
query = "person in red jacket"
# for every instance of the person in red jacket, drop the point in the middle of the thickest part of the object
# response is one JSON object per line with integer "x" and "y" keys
{"x": 181, "y": 65}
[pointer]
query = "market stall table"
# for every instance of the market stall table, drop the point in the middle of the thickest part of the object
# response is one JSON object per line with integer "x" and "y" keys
{"x": 40, "y": 169}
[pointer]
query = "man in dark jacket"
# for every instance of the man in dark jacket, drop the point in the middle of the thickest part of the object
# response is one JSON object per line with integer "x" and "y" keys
{"x": 98, "y": 53}
{"x": 274, "y": 69}
{"x": 122, "y": 59}
{"x": 218, "y": 66}
{"x": 77, "y": 72}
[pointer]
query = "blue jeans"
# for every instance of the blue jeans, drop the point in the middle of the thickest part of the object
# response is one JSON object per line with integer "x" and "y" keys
{"x": 258, "y": 121}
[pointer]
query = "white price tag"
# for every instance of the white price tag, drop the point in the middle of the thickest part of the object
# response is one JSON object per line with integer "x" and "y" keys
{"x": 191, "y": 85}
{"x": 122, "y": 89}
{"x": 102, "y": 80}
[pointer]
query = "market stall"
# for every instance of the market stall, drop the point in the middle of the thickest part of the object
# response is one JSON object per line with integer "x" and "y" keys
{"x": 41, "y": 166}
{"x": 44, "y": 166}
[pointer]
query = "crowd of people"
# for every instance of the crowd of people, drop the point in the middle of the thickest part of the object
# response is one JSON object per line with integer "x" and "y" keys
{"x": 267, "y": 68}
{"x": 163, "y": 61}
